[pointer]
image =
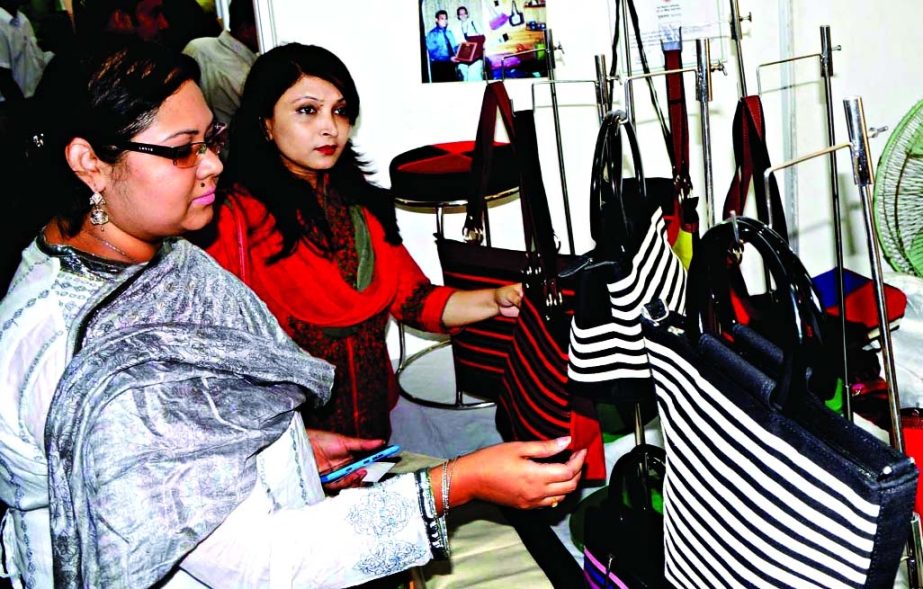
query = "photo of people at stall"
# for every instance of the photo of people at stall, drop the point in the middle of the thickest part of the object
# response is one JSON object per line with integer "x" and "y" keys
{"x": 483, "y": 40}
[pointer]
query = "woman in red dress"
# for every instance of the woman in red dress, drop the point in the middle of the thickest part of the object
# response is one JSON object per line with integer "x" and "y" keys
{"x": 306, "y": 230}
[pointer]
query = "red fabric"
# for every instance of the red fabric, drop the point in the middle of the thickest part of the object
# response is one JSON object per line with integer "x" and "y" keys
{"x": 912, "y": 426}
{"x": 862, "y": 305}
{"x": 325, "y": 314}
{"x": 310, "y": 287}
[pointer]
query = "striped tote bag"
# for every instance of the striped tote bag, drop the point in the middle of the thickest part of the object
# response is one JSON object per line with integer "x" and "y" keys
{"x": 535, "y": 403}
{"x": 479, "y": 350}
{"x": 631, "y": 265}
{"x": 765, "y": 487}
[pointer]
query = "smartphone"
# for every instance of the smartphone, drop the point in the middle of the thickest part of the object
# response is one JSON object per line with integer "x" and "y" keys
{"x": 360, "y": 460}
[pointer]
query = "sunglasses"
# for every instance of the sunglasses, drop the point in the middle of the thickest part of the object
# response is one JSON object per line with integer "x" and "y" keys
{"x": 184, "y": 156}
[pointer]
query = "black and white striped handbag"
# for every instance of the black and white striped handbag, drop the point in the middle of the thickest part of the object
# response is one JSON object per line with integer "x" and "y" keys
{"x": 631, "y": 265}
{"x": 766, "y": 487}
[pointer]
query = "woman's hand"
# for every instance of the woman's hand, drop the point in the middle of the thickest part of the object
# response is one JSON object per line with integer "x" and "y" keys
{"x": 332, "y": 450}
{"x": 470, "y": 306}
{"x": 508, "y": 299}
{"x": 508, "y": 474}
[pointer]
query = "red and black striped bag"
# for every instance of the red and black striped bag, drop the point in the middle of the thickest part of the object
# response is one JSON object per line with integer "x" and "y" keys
{"x": 480, "y": 349}
{"x": 535, "y": 403}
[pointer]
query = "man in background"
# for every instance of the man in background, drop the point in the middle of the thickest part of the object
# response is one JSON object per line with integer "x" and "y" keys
{"x": 225, "y": 60}
{"x": 466, "y": 30}
{"x": 441, "y": 47}
{"x": 21, "y": 60}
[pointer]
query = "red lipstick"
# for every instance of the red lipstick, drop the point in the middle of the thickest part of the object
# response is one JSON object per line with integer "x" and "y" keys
{"x": 327, "y": 149}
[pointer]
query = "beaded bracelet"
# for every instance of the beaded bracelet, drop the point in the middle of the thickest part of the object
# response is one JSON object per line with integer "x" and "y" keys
{"x": 445, "y": 488}
{"x": 446, "y": 484}
{"x": 434, "y": 525}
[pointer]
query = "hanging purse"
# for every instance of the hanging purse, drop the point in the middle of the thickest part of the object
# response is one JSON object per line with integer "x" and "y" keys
{"x": 480, "y": 350}
{"x": 631, "y": 265}
{"x": 516, "y": 17}
{"x": 497, "y": 17}
{"x": 765, "y": 486}
{"x": 535, "y": 404}
{"x": 624, "y": 536}
{"x": 674, "y": 194}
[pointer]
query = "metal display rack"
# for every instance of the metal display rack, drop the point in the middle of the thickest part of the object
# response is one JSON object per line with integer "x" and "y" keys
{"x": 862, "y": 173}
{"x": 825, "y": 57}
{"x": 863, "y": 176}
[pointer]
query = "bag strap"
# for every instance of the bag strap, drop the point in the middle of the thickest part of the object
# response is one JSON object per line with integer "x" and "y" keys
{"x": 751, "y": 158}
{"x": 495, "y": 99}
{"x": 636, "y": 28}
{"x": 606, "y": 179}
{"x": 679, "y": 118}
{"x": 541, "y": 253}
{"x": 635, "y": 475}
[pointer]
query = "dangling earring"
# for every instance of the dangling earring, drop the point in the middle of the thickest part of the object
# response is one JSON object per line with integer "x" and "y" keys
{"x": 97, "y": 215}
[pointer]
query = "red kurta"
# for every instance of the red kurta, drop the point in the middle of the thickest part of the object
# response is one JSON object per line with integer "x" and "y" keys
{"x": 316, "y": 302}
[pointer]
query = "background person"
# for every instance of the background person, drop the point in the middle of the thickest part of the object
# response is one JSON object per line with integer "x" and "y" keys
{"x": 441, "y": 46}
{"x": 224, "y": 61}
{"x": 147, "y": 422}
{"x": 21, "y": 59}
{"x": 463, "y": 30}
{"x": 321, "y": 243}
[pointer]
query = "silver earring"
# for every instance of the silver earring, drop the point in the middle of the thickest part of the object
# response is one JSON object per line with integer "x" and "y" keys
{"x": 98, "y": 216}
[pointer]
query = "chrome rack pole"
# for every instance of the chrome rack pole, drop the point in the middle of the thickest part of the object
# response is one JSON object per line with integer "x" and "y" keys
{"x": 826, "y": 72}
{"x": 864, "y": 177}
{"x": 550, "y": 48}
{"x": 737, "y": 35}
{"x": 704, "y": 95}
{"x": 603, "y": 97}
{"x": 626, "y": 35}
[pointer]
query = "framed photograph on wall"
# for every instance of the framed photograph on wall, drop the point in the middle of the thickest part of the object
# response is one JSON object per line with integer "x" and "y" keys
{"x": 476, "y": 40}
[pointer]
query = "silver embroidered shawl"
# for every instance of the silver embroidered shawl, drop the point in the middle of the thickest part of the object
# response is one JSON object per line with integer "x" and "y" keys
{"x": 183, "y": 377}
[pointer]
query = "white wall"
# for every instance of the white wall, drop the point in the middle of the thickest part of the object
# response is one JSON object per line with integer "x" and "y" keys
{"x": 378, "y": 40}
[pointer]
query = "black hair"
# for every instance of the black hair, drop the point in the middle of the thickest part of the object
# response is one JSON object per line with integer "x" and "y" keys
{"x": 116, "y": 97}
{"x": 443, "y": 13}
{"x": 461, "y": 8}
{"x": 240, "y": 14}
{"x": 256, "y": 164}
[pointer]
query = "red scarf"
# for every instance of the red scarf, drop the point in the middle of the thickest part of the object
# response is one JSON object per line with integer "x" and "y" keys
{"x": 304, "y": 285}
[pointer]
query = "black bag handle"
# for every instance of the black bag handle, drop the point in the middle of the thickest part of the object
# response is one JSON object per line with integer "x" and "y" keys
{"x": 631, "y": 475}
{"x": 636, "y": 28}
{"x": 541, "y": 253}
{"x": 606, "y": 184}
{"x": 709, "y": 305}
{"x": 495, "y": 98}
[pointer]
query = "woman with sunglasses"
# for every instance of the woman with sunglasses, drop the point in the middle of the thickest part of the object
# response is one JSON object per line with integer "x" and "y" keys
{"x": 319, "y": 243}
{"x": 148, "y": 425}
